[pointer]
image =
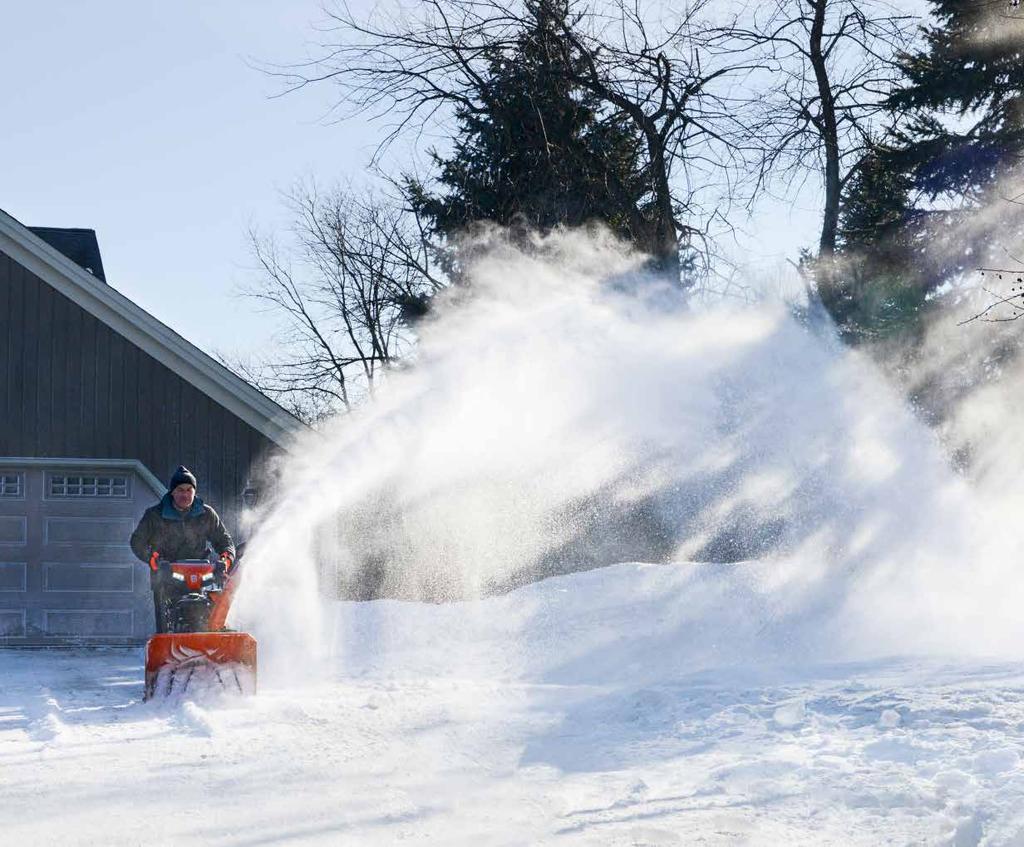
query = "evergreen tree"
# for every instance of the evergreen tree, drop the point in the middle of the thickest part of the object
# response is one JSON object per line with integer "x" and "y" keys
{"x": 882, "y": 281}
{"x": 965, "y": 92}
{"x": 535, "y": 151}
{"x": 910, "y": 218}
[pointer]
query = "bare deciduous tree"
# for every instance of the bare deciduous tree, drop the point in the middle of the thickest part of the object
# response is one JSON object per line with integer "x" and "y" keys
{"x": 1002, "y": 306}
{"x": 415, "y": 65}
{"x": 359, "y": 271}
{"x": 831, "y": 67}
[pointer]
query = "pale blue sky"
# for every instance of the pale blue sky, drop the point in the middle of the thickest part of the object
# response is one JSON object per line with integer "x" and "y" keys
{"x": 144, "y": 121}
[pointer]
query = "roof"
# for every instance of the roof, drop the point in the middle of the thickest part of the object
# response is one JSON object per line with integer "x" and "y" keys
{"x": 108, "y": 305}
{"x": 79, "y": 245}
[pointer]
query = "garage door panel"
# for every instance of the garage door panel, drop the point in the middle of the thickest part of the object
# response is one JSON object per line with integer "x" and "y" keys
{"x": 88, "y": 577}
{"x": 67, "y": 574}
{"x": 87, "y": 531}
{"x": 13, "y": 576}
{"x": 13, "y": 529}
{"x": 88, "y": 623}
{"x": 90, "y": 508}
{"x": 12, "y": 623}
{"x": 91, "y": 554}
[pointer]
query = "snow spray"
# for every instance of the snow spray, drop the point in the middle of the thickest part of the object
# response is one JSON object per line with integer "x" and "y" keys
{"x": 567, "y": 411}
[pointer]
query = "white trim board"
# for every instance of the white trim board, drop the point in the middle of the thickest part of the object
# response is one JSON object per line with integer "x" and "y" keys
{"x": 144, "y": 331}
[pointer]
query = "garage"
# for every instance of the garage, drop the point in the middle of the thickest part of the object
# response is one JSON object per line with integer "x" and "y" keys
{"x": 99, "y": 403}
{"x": 67, "y": 574}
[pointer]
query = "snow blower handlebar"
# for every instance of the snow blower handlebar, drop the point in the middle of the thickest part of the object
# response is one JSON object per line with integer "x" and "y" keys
{"x": 224, "y": 567}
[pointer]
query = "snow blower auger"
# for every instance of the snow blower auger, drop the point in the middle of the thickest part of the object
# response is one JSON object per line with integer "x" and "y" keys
{"x": 196, "y": 648}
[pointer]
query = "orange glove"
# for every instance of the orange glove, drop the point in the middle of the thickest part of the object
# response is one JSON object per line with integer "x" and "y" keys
{"x": 225, "y": 557}
{"x": 154, "y": 561}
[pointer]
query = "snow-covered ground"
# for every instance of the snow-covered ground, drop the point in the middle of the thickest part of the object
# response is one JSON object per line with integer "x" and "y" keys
{"x": 609, "y": 707}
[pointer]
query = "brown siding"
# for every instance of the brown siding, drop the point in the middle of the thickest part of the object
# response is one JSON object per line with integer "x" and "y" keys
{"x": 72, "y": 387}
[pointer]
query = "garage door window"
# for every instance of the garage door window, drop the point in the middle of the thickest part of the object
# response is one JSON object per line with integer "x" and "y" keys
{"x": 77, "y": 485}
{"x": 10, "y": 484}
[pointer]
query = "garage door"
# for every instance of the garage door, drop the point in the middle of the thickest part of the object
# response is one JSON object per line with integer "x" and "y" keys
{"x": 67, "y": 574}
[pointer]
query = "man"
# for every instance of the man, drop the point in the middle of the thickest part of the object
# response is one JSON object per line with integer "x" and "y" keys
{"x": 180, "y": 526}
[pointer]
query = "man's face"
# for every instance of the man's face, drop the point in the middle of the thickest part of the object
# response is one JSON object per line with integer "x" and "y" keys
{"x": 183, "y": 496}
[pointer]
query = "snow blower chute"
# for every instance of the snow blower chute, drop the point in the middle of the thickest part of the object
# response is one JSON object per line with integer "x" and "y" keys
{"x": 195, "y": 647}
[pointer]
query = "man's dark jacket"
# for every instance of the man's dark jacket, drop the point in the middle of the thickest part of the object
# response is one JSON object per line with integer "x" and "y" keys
{"x": 176, "y": 536}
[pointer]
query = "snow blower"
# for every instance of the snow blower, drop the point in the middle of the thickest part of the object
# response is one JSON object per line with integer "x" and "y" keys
{"x": 195, "y": 648}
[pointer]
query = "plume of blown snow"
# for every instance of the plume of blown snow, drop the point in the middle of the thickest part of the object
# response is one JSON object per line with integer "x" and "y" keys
{"x": 567, "y": 411}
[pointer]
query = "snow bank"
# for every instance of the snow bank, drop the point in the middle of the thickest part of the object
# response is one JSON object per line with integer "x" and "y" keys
{"x": 627, "y": 624}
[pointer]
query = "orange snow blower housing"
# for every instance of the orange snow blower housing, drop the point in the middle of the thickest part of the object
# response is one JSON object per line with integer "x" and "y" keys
{"x": 197, "y": 596}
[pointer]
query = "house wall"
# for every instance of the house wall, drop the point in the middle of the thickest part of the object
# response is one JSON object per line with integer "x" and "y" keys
{"x": 72, "y": 387}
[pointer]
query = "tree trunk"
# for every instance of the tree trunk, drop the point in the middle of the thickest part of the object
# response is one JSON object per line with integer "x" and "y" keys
{"x": 666, "y": 233}
{"x": 829, "y": 131}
